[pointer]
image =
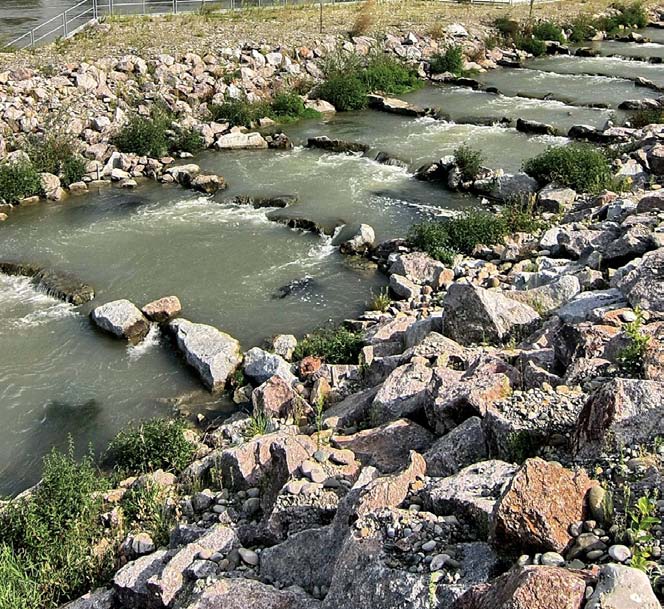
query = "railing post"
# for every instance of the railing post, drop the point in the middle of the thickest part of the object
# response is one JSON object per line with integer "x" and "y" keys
{"x": 64, "y": 24}
{"x": 175, "y": 7}
{"x": 110, "y": 7}
{"x": 32, "y": 38}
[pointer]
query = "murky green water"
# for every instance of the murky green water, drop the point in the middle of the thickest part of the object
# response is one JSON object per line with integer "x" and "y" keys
{"x": 629, "y": 49}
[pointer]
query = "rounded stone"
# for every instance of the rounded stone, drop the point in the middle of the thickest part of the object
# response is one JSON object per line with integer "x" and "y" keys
{"x": 552, "y": 559}
{"x": 248, "y": 556}
{"x": 620, "y": 553}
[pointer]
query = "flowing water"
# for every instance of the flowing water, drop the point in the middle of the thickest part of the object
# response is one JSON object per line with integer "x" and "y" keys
{"x": 652, "y": 51}
{"x": 227, "y": 263}
{"x": 574, "y": 89}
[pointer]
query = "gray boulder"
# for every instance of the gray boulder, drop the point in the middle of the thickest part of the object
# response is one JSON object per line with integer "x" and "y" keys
{"x": 403, "y": 393}
{"x": 102, "y": 598}
{"x": 422, "y": 269}
{"x": 122, "y": 319}
{"x": 620, "y": 413}
{"x": 549, "y": 297}
{"x": 555, "y": 199}
{"x": 260, "y": 365}
{"x": 131, "y": 581}
{"x": 471, "y": 494}
{"x": 361, "y": 242}
{"x": 340, "y": 146}
{"x": 620, "y": 587}
{"x": 214, "y": 355}
{"x": 462, "y": 446}
{"x": 652, "y": 201}
{"x": 476, "y": 315}
{"x": 508, "y": 186}
{"x": 583, "y": 306}
{"x": 644, "y": 285}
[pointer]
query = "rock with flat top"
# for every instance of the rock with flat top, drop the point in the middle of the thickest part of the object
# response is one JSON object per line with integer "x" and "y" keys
{"x": 122, "y": 319}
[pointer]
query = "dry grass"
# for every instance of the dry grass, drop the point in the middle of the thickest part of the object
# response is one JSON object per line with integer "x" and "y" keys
{"x": 365, "y": 19}
{"x": 289, "y": 26}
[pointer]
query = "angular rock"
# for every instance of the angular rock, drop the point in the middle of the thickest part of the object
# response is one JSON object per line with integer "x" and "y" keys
{"x": 538, "y": 507}
{"x": 459, "y": 448}
{"x": 529, "y": 587}
{"x": 555, "y": 199}
{"x": 472, "y": 493}
{"x": 351, "y": 410}
{"x": 395, "y": 106}
{"x": 131, "y": 581}
{"x": 549, "y": 297}
{"x": 644, "y": 285}
{"x": 102, "y": 598}
{"x": 214, "y": 355}
{"x": 361, "y": 242}
{"x": 241, "y": 593}
{"x": 386, "y": 447}
{"x": 163, "y": 310}
{"x": 274, "y": 397}
{"x": 402, "y": 394}
{"x": 260, "y": 365}
{"x": 240, "y": 141}
{"x": 620, "y": 413}
{"x": 422, "y": 269}
{"x": 475, "y": 315}
{"x": 652, "y": 201}
{"x": 122, "y": 319}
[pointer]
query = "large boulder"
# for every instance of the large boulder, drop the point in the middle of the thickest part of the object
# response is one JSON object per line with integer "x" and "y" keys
{"x": 549, "y": 297}
{"x": 476, "y": 315}
{"x": 340, "y": 146}
{"x": 530, "y": 587}
{"x": 122, "y": 319}
{"x": 471, "y": 494}
{"x": 652, "y": 201}
{"x": 644, "y": 285}
{"x": 260, "y": 365}
{"x": 462, "y": 446}
{"x": 387, "y": 447}
{"x": 360, "y": 242}
{"x": 620, "y": 587}
{"x": 539, "y": 505}
{"x": 620, "y": 413}
{"x": 240, "y": 141}
{"x": 275, "y": 397}
{"x": 555, "y": 199}
{"x": 102, "y": 598}
{"x": 131, "y": 581}
{"x": 403, "y": 393}
{"x": 421, "y": 269}
{"x": 214, "y": 355}
{"x": 240, "y": 593}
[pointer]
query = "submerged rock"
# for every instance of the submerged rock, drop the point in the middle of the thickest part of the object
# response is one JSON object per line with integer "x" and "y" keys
{"x": 121, "y": 318}
{"x": 279, "y": 201}
{"x": 325, "y": 143}
{"x": 527, "y": 126}
{"x": 360, "y": 242}
{"x": 214, "y": 355}
{"x": 395, "y": 106}
{"x": 63, "y": 286}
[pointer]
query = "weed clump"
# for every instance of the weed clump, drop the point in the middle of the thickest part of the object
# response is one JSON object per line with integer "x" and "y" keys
{"x": 51, "y": 547}
{"x": 578, "y": 166}
{"x": 468, "y": 161}
{"x": 144, "y": 135}
{"x": 155, "y": 444}
{"x": 19, "y": 180}
{"x": 451, "y": 60}
{"x": 56, "y": 154}
{"x": 334, "y": 345}
{"x": 388, "y": 75}
{"x": 631, "y": 357}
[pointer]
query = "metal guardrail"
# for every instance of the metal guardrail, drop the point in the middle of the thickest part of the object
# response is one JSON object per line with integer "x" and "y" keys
{"x": 77, "y": 17}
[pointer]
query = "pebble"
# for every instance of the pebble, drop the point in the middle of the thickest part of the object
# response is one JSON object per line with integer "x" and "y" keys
{"x": 620, "y": 553}
{"x": 248, "y": 556}
{"x": 552, "y": 559}
{"x": 428, "y": 546}
{"x": 438, "y": 562}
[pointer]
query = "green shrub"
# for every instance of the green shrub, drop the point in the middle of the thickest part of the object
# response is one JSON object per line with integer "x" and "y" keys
{"x": 641, "y": 118}
{"x": 631, "y": 357}
{"x": 236, "y": 112}
{"x": 145, "y": 136}
{"x": 17, "y": 590}
{"x": 449, "y": 61}
{"x": 578, "y": 166}
{"x": 287, "y": 106}
{"x": 53, "y": 531}
{"x": 144, "y": 508}
{"x": 155, "y": 444}
{"x": 345, "y": 91}
{"x": 468, "y": 161}
{"x": 73, "y": 169}
{"x": 582, "y": 28}
{"x": 187, "y": 140}
{"x": 380, "y": 301}
{"x": 531, "y": 45}
{"x": 18, "y": 180}
{"x": 443, "y": 239}
{"x": 547, "y": 30}
{"x": 388, "y": 75}
{"x": 520, "y": 215}
{"x": 334, "y": 345}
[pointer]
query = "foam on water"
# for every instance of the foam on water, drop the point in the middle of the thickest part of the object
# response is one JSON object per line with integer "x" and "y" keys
{"x": 152, "y": 340}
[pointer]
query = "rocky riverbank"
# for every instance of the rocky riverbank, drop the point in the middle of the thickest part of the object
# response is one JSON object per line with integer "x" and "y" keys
{"x": 488, "y": 438}
{"x": 499, "y": 445}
